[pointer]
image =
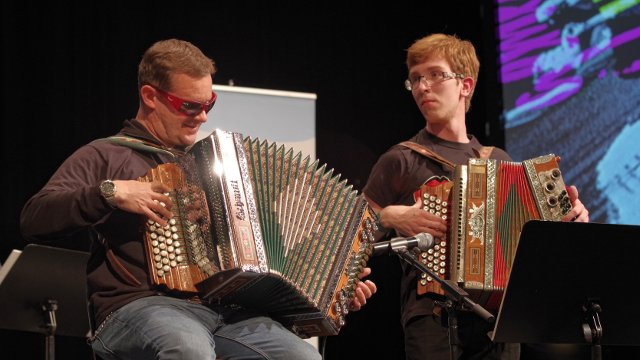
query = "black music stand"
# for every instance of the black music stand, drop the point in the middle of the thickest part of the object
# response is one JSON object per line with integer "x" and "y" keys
{"x": 43, "y": 290}
{"x": 572, "y": 283}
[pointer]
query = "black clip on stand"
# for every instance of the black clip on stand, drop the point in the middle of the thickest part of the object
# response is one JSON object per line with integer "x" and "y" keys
{"x": 592, "y": 328}
{"x": 49, "y": 308}
{"x": 457, "y": 298}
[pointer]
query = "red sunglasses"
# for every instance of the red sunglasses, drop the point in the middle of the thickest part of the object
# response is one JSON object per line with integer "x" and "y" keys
{"x": 190, "y": 108}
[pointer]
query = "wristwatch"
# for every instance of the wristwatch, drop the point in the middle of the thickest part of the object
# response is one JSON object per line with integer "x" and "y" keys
{"x": 108, "y": 192}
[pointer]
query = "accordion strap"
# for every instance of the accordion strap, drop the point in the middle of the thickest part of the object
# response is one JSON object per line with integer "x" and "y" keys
{"x": 113, "y": 260}
{"x": 483, "y": 153}
{"x": 138, "y": 144}
{"x": 426, "y": 152}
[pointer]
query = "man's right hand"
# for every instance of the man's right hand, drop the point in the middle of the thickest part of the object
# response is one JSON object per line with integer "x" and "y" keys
{"x": 144, "y": 198}
{"x": 412, "y": 220}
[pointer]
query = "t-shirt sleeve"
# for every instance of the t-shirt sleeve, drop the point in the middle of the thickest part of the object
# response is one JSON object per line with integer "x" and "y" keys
{"x": 385, "y": 178}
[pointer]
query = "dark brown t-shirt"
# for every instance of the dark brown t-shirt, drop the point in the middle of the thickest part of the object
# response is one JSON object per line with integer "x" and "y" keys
{"x": 398, "y": 173}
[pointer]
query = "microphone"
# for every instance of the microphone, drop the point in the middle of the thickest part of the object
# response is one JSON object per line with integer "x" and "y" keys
{"x": 423, "y": 241}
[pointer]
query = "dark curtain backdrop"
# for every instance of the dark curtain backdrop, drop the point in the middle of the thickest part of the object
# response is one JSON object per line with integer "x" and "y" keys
{"x": 69, "y": 76}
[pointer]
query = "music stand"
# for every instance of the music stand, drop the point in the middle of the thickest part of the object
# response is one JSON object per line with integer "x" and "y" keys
{"x": 43, "y": 290}
{"x": 571, "y": 283}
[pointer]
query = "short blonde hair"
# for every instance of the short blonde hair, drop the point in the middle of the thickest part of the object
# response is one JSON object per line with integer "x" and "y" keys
{"x": 460, "y": 54}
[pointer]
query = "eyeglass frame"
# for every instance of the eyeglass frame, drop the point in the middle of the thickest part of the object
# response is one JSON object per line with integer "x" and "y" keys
{"x": 422, "y": 79}
{"x": 192, "y": 108}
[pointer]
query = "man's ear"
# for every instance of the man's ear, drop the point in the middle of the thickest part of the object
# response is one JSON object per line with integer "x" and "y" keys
{"x": 467, "y": 85}
{"x": 147, "y": 96}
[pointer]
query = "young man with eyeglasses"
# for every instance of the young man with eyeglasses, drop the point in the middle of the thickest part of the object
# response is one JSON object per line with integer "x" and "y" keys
{"x": 443, "y": 71}
{"x": 96, "y": 189}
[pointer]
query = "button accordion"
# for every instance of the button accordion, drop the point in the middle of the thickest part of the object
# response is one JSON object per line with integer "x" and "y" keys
{"x": 486, "y": 205}
{"x": 258, "y": 226}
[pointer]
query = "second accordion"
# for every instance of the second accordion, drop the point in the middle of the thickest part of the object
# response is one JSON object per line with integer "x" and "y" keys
{"x": 486, "y": 205}
{"x": 258, "y": 226}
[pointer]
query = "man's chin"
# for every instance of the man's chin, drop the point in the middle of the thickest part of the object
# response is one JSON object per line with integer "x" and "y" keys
{"x": 188, "y": 140}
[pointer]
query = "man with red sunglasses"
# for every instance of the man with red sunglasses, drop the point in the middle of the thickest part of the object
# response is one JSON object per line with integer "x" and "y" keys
{"x": 96, "y": 189}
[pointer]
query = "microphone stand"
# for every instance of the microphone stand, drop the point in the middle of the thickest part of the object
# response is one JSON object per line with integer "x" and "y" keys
{"x": 456, "y": 297}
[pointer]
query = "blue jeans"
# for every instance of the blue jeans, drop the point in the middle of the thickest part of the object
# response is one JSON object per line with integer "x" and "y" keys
{"x": 162, "y": 327}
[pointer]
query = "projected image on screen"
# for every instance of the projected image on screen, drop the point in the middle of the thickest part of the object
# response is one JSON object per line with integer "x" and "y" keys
{"x": 570, "y": 71}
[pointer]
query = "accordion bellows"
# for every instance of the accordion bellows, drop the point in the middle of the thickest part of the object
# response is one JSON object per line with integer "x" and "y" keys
{"x": 258, "y": 226}
{"x": 486, "y": 205}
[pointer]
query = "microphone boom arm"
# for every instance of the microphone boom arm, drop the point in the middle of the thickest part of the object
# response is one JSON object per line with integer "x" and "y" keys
{"x": 450, "y": 288}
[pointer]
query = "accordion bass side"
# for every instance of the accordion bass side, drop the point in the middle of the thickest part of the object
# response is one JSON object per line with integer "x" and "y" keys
{"x": 486, "y": 206}
{"x": 259, "y": 226}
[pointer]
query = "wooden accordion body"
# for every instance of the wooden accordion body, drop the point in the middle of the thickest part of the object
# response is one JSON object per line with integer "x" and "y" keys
{"x": 260, "y": 227}
{"x": 486, "y": 205}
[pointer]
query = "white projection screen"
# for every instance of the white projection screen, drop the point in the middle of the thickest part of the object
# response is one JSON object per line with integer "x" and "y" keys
{"x": 283, "y": 117}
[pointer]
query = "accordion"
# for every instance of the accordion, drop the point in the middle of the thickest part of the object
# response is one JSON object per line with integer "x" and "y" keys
{"x": 258, "y": 226}
{"x": 486, "y": 205}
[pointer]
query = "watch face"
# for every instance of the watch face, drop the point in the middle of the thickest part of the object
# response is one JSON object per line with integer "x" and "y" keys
{"x": 107, "y": 188}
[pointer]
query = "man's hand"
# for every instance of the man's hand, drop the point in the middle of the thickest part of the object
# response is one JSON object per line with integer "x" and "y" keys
{"x": 364, "y": 290}
{"x": 412, "y": 220}
{"x": 578, "y": 212}
{"x": 144, "y": 198}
